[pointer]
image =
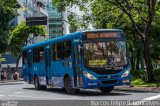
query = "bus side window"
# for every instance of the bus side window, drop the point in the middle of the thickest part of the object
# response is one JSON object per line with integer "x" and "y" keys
{"x": 59, "y": 51}
{"x": 24, "y": 57}
{"x": 67, "y": 50}
{"x": 41, "y": 54}
{"x": 38, "y": 55}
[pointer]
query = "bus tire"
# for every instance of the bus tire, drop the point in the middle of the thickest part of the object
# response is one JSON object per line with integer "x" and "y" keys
{"x": 106, "y": 89}
{"x": 68, "y": 86}
{"x": 37, "y": 85}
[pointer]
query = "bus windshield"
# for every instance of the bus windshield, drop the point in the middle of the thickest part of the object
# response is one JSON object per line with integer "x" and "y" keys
{"x": 105, "y": 54}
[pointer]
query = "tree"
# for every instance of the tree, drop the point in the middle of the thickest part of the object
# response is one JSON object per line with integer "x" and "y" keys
{"x": 76, "y": 23}
{"x": 7, "y": 13}
{"x": 145, "y": 11}
{"x": 73, "y": 22}
{"x": 19, "y": 37}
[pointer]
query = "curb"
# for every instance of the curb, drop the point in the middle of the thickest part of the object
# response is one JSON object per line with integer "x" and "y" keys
{"x": 139, "y": 89}
{"x": 8, "y": 81}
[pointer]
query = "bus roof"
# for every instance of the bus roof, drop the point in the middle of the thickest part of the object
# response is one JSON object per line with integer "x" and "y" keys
{"x": 65, "y": 37}
{"x": 101, "y": 30}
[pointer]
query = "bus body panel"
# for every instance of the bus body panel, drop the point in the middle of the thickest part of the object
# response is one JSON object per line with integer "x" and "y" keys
{"x": 25, "y": 73}
{"x": 39, "y": 70}
{"x": 58, "y": 70}
{"x": 27, "y": 67}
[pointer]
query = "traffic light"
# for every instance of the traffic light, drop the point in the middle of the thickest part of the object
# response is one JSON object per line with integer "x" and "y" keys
{"x": 33, "y": 21}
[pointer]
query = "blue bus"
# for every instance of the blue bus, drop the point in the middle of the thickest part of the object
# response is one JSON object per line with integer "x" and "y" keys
{"x": 81, "y": 60}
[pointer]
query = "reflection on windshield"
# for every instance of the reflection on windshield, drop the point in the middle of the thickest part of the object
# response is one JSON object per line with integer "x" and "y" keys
{"x": 105, "y": 54}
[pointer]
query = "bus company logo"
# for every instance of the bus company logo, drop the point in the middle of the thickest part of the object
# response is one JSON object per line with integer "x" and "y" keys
{"x": 9, "y": 103}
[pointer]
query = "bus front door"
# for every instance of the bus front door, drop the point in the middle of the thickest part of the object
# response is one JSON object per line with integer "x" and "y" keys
{"x": 48, "y": 66}
{"x": 77, "y": 67}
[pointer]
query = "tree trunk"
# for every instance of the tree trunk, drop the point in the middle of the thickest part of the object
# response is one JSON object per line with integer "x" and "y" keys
{"x": 138, "y": 58}
{"x": 132, "y": 59}
{"x": 148, "y": 62}
{"x": 141, "y": 57}
{"x": 17, "y": 62}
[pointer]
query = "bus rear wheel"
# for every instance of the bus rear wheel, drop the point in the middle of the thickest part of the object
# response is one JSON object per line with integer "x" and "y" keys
{"x": 106, "y": 89}
{"x": 37, "y": 85}
{"x": 68, "y": 86}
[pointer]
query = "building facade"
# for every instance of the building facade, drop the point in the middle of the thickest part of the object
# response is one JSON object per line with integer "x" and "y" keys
{"x": 57, "y": 21}
{"x": 55, "y": 25}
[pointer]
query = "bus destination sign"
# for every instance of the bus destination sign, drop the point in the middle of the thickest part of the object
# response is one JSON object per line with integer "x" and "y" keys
{"x": 93, "y": 35}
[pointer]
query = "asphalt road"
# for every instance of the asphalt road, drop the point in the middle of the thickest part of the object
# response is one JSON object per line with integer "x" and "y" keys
{"x": 21, "y": 91}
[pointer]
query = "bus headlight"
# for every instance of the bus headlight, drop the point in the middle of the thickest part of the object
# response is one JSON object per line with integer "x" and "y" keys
{"x": 126, "y": 73}
{"x": 89, "y": 76}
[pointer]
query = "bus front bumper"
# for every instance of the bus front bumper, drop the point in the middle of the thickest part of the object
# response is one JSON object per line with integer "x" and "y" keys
{"x": 89, "y": 84}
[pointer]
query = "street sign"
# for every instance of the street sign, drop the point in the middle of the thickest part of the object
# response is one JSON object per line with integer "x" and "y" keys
{"x": 32, "y": 21}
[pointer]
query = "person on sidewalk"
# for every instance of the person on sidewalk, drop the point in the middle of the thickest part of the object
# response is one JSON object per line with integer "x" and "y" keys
{"x": 16, "y": 76}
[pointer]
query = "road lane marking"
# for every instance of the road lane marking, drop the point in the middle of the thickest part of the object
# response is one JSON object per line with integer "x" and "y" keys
{"x": 137, "y": 103}
{"x": 43, "y": 97}
{"x": 19, "y": 96}
{"x": 18, "y": 92}
{"x": 152, "y": 97}
{"x": 145, "y": 100}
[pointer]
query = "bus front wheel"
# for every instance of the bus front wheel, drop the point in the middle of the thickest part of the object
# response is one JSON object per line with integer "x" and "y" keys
{"x": 68, "y": 86}
{"x": 37, "y": 85}
{"x": 106, "y": 89}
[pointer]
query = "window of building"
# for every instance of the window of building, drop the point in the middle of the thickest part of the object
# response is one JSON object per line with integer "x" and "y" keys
{"x": 24, "y": 57}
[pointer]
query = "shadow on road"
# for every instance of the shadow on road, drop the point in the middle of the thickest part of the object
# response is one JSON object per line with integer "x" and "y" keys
{"x": 82, "y": 92}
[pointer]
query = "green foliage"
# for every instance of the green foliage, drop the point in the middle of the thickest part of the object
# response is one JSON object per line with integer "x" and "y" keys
{"x": 141, "y": 83}
{"x": 142, "y": 74}
{"x": 139, "y": 78}
{"x": 2, "y": 59}
{"x": 74, "y": 25}
{"x": 20, "y": 34}
{"x": 156, "y": 74}
{"x": 7, "y": 13}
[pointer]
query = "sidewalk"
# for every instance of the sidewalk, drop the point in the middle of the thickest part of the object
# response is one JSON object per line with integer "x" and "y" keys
{"x": 8, "y": 81}
{"x": 138, "y": 89}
